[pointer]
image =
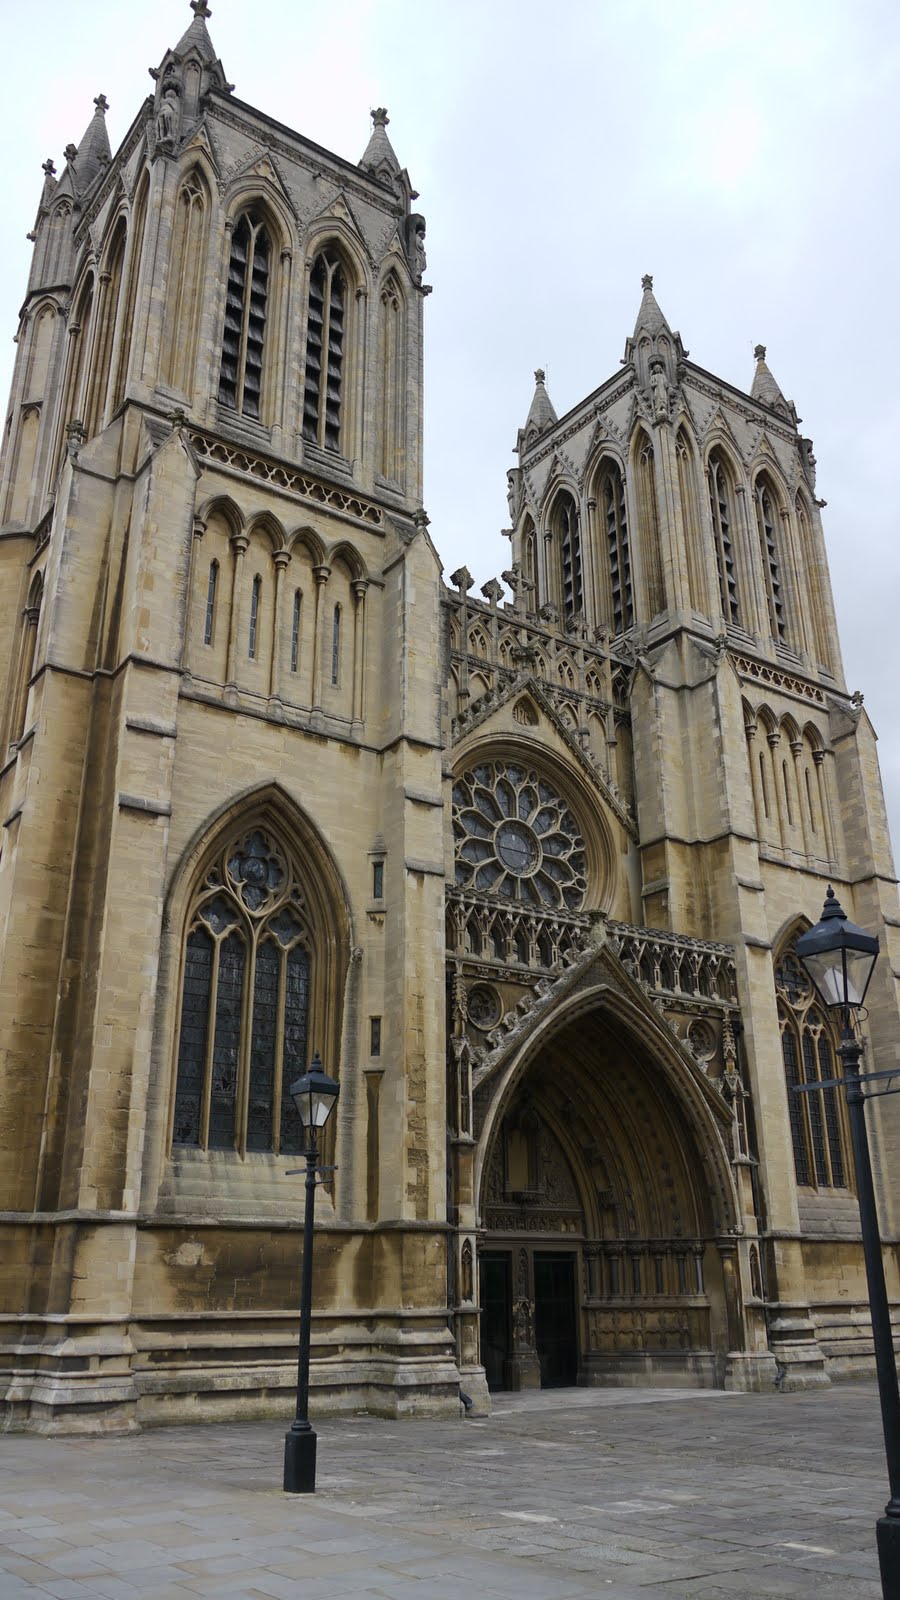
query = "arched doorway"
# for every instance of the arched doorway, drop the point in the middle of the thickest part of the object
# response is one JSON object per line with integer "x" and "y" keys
{"x": 606, "y": 1210}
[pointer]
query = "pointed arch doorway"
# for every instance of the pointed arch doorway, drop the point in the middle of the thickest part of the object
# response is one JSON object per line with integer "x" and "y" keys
{"x": 603, "y": 1251}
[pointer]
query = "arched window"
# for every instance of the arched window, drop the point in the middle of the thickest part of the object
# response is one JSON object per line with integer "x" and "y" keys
{"x": 245, "y": 1008}
{"x": 336, "y": 646}
{"x": 611, "y": 501}
{"x": 210, "y": 622}
{"x": 325, "y": 352}
{"x": 79, "y": 332}
{"x": 721, "y": 506}
{"x": 817, "y": 1121}
{"x": 240, "y": 376}
{"x": 649, "y": 531}
{"x": 295, "y": 630}
{"x": 255, "y": 596}
{"x": 107, "y": 308}
{"x": 529, "y": 566}
{"x": 568, "y": 541}
{"x": 693, "y": 532}
{"x": 390, "y": 386}
{"x": 766, "y": 515}
{"x": 26, "y": 658}
{"x": 122, "y": 355}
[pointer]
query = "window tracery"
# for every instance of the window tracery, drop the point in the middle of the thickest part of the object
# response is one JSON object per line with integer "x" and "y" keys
{"x": 516, "y": 837}
{"x": 817, "y": 1123}
{"x": 245, "y": 1007}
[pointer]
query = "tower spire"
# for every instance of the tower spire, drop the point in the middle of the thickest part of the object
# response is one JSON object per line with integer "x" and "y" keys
{"x": 541, "y": 414}
{"x": 379, "y": 156}
{"x": 93, "y": 152}
{"x": 765, "y": 388}
{"x": 650, "y": 318}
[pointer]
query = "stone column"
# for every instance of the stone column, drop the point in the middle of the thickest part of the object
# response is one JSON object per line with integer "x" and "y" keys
{"x": 239, "y": 543}
{"x": 282, "y": 560}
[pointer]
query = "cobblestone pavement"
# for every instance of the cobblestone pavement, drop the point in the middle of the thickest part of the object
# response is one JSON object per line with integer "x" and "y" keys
{"x": 618, "y": 1493}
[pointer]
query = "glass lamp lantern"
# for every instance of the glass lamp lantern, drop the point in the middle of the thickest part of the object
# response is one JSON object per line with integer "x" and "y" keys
{"x": 838, "y": 956}
{"x": 315, "y": 1095}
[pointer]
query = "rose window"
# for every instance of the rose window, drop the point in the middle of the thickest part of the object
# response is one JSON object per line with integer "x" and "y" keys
{"x": 515, "y": 836}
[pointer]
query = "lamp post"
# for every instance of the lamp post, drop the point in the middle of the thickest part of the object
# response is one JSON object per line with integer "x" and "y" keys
{"x": 839, "y": 958}
{"x": 314, "y": 1095}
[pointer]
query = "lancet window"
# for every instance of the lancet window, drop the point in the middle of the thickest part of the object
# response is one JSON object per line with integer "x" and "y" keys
{"x": 766, "y": 524}
{"x": 817, "y": 1121}
{"x": 568, "y": 538}
{"x": 721, "y": 507}
{"x": 611, "y": 499}
{"x": 246, "y": 301}
{"x": 322, "y": 394}
{"x": 245, "y": 1002}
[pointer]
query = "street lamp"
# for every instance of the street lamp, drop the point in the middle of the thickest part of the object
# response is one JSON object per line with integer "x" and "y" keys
{"x": 314, "y": 1095}
{"x": 840, "y": 958}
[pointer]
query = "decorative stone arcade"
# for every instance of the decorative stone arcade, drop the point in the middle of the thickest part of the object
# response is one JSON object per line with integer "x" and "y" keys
{"x": 600, "y": 1176}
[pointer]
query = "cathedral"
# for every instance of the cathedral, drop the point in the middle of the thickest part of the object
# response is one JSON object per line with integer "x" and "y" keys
{"x": 524, "y": 864}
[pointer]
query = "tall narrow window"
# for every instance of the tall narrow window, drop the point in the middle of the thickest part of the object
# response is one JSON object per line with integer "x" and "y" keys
{"x": 390, "y": 432}
{"x": 765, "y": 522}
{"x": 107, "y": 308}
{"x": 324, "y": 353}
{"x": 569, "y": 539}
{"x": 693, "y": 533}
{"x": 336, "y": 645}
{"x": 720, "y": 506}
{"x": 211, "y": 588}
{"x": 295, "y": 630}
{"x": 649, "y": 531}
{"x": 27, "y": 651}
{"x": 818, "y": 1133}
{"x": 245, "y": 1002}
{"x": 611, "y": 497}
{"x": 255, "y": 594}
{"x": 529, "y": 567}
{"x": 240, "y": 376}
{"x": 186, "y": 294}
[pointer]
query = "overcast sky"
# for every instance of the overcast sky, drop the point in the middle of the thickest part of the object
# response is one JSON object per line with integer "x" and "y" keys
{"x": 745, "y": 154}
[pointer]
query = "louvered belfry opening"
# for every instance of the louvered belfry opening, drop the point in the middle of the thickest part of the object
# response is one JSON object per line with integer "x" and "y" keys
{"x": 240, "y": 377}
{"x": 613, "y": 502}
{"x": 721, "y": 520}
{"x": 570, "y": 553}
{"x": 324, "y": 353}
{"x": 766, "y": 521}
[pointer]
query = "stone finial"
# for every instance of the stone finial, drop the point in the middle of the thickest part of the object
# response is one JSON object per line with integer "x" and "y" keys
{"x": 48, "y": 168}
{"x": 102, "y": 103}
{"x": 462, "y": 579}
{"x": 70, "y": 152}
{"x": 647, "y": 281}
{"x": 492, "y": 591}
{"x": 380, "y": 117}
{"x": 540, "y": 375}
{"x": 200, "y": 8}
{"x": 759, "y": 352}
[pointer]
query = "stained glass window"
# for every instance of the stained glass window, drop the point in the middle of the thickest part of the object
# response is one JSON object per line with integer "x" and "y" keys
{"x": 818, "y": 1133}
{"x": 516, "y": 837}
{"x": 244, "y": 1034}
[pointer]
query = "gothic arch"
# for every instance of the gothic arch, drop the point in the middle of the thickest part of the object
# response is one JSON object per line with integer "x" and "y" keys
{"x": 266, "y": 523}
{"x": 226, "y": 508}
{"x": 324, "y": 908}
{"x": 608, "y": 486}
{"x": 352, "y": 559}
{"x": 770, "y": 518}
{"x": 391, "y": 334}
{"x": 308, "y": 540}
{"x": 691, "y": 1108}
{"x": 258, "y": 238}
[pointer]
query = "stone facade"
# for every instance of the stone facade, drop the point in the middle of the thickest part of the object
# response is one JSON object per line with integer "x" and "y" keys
{"x": 524, "y": 870}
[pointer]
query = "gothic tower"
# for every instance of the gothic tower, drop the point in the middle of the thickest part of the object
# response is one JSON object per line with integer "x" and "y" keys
{"x": 222, "y": 787}
{"x": 658, "y": 771}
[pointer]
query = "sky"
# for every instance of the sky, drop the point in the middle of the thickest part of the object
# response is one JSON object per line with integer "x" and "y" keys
{"x": 745, "y": 154}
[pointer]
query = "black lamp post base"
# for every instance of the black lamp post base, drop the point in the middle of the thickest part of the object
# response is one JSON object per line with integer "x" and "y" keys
{"x": 888, "y": 1534}
{"x": 300, "y": 1461}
